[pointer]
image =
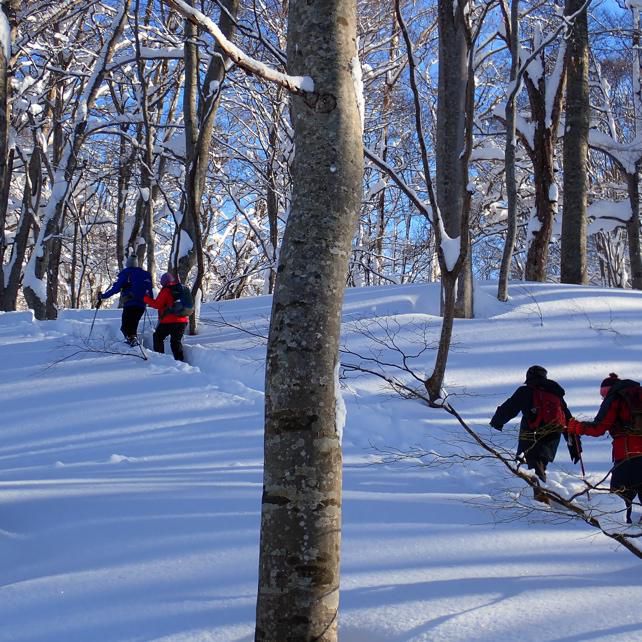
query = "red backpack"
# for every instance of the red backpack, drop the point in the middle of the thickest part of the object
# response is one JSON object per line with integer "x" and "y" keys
{"x": 633, "y": 398}
{"x": 547, "y": 410}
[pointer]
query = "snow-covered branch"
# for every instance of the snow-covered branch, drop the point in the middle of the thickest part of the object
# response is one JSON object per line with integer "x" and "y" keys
{"x": 300, "y": 85}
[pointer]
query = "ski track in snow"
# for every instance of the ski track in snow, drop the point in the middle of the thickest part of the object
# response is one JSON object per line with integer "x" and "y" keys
{"x": 130, "y": 490}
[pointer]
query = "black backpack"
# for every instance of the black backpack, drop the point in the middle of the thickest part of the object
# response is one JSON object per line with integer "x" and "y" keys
{"x": 547, "y": 411}
{"x": 183, "y": 305}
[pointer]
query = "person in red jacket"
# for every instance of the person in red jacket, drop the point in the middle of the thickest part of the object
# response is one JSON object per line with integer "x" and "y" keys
{"x": 169, "y": 325}
{"x": 615, "y": 417}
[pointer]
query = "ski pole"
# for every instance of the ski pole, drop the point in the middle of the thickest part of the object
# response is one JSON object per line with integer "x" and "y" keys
{"x": 579, "y": 454}
{"x": 94, "y": 319}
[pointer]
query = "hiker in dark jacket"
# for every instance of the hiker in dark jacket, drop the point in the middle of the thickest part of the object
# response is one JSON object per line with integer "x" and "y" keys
{"x": 615, "y": 417}
{"x": 133, "y": 283}
{"x": 169, "y": 325}
{"x": 537, "y": 444}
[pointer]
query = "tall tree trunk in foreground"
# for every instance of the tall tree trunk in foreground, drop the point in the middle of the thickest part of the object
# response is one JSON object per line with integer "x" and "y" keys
{"x": 298, "y": 593}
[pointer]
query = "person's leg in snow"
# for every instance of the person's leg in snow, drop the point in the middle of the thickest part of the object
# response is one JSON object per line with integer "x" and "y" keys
{"x": 176, "y": 340}
{"x": 175, "y": 332}
{"x": 129, "y": 322}
{"x": 540, "y": 469}
{"x": 160, "y": 334}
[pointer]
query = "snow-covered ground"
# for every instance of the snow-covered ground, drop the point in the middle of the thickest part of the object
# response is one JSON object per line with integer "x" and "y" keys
{"x": 130, "y": 490}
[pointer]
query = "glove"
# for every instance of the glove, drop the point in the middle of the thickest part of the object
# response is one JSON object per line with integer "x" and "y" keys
{"x": 574, "y": 427}
{"x": 574, "y": 448}
{"x": 496, "y": 425}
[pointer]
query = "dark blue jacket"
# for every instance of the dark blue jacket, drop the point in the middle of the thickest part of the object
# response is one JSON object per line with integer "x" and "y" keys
{"x": 134, "y": 283}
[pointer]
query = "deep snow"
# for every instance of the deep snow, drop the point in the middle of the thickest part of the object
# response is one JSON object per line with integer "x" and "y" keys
{"x": 130, "y": 490}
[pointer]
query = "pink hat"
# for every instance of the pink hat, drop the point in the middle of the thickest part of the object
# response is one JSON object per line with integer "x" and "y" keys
{"x": 168, "y": 279}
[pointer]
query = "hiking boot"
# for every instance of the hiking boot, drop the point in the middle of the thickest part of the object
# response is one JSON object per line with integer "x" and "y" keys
{"x": 540, "y": 469}
{"x": 131, "y": 341}
{"x": 540, "y": 496}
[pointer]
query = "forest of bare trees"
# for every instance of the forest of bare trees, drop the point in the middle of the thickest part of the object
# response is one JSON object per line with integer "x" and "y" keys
{"x": 128, "y": 129}
{"x": 296, "y": 148}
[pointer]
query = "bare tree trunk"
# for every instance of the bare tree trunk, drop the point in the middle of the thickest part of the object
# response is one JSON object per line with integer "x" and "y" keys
{"x": 55, "y": 245}
{"x": 573, "y": 268}
{"x": 298, "y": 596}
{"x": 145, "y": 201}
{"x": 125, "y": 165}
{"x": 633, "y": 230}
{"x": 434, "y": 383}
{"x": 509, "y": 154}
{"x": 451, "y": 173}
{"x": 30, "y": 204}
{"x": 271, "y": 198}
{"x": 633, "y": 180}
{"x": 393, "y": 53}
{"x": 199, "y": 123}
{"x": 545, "y": 95}
{"x": 8, "y": 17}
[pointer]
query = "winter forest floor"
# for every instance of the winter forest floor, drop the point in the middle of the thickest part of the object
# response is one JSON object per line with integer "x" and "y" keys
{"x": 130, "y": 490}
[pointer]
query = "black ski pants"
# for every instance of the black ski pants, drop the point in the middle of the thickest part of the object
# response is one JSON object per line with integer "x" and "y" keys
{"x": 130, "y": 319}
{"x": 175, "y": 332}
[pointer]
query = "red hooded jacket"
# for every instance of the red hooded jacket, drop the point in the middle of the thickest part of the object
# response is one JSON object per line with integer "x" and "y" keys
{"x": 163, "y": 301}
{"x": 613, "y": 416}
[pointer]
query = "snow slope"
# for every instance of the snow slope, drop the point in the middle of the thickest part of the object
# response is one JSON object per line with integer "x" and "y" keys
{"x": 130, "y": 490}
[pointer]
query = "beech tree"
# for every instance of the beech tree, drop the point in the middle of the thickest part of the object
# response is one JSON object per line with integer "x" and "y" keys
{"x": 298, "y": 596}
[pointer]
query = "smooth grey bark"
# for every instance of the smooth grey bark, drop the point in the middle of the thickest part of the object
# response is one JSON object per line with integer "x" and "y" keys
{"x": 573, "y": 264}
{"x": 451, "y": 177}
{"x": 298, "y": 594}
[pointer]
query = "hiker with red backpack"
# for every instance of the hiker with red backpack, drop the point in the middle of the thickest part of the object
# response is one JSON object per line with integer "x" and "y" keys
{"x": 172, "y": 315}
{"x": 544, "y": 418}
{"x": 621, "y": 416}
{"x": 133, "y": 283}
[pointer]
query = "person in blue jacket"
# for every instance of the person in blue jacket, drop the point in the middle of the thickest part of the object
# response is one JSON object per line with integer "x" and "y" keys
{"x": 133, "y": 283}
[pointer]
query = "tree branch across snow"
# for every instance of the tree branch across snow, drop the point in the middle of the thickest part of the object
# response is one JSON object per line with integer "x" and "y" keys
{"x": 400, "y": 376}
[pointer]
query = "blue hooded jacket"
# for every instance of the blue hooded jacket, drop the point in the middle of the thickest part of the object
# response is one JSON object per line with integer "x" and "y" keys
{"x": 134, "y": 283}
